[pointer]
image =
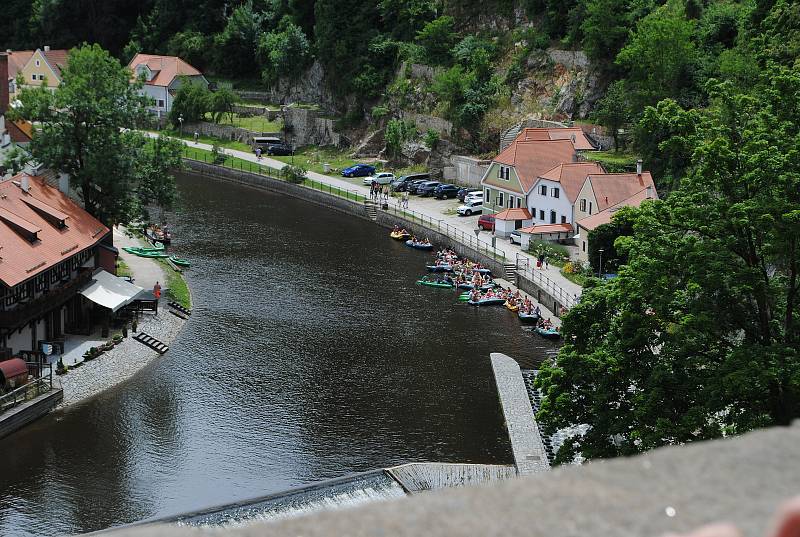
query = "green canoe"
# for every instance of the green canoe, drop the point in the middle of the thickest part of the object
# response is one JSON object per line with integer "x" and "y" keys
{"x": 151, "y": 254}
{"x": 179, "y": 261}
{"x": 443, "y": 285}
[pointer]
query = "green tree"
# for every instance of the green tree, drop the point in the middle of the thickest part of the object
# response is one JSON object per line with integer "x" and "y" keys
{"x": 404, "y": 18}
{"x": 192, "y": 101}
{"x": 236, "y": 45}
{"x": 698, "y": 335}
{"x": 437, "y": 38}
{"x": 15, "y": 160}
{"x": 613, "y": 111}
{"x": 155, "y": 183}
{"x": 660, "y": 56}
{"x": 397, "y": 132}
{"x": 285, "y": 52}
{"x": 605, "y": 28}
{"x": 604, "y": 238}
{"x": 221, "y": 103}
{"x": 85, "y": 131}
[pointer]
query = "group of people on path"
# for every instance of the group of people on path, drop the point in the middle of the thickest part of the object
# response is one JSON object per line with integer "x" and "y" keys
{"x": 379, "y": 192}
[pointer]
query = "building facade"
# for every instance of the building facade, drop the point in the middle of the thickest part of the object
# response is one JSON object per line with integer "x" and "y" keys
{"x": 162, "y": 76}
{"x": 43, "y": 68}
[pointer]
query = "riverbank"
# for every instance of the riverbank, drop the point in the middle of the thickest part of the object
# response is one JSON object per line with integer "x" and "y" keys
{"x": 128, "y": 357}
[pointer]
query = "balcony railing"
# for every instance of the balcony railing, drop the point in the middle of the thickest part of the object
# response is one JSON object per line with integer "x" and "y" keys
{"x": 45, "y": 303}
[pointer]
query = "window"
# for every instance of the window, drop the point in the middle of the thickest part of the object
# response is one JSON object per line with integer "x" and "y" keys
{"x": 510, "y": 202}
{"x": 499, "y": 172}
{"x": 500, "y": 199}
{"x": 584, "y": 245}
{"x": 543, "y": 190}
{"x": 533, "y": 212}
{"x": 541, "y": 215}
{"x": 552, "y": 217}
{"x": 556, "y": 192}
{"x": 583, "y": 205}
{"x": 33, "y": 77}
{"x": 507, "y": 173}
{"x": 590, "y": 207}
{"x": 563, "y": 219}
{"x": 161, "y": 103}
{"x": 519, "y": 203}
{"x": 503, "y": 172}
{"x": 487, "y": 195}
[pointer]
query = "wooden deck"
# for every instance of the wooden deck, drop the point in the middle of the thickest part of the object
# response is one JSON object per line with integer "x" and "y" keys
{"x": 418, "y": 477}
{"x": 526, "y": 440}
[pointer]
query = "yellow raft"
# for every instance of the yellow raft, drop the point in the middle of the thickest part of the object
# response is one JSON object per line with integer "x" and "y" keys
{"x": 399, "y": 235}
{"x": 514, "y": 307}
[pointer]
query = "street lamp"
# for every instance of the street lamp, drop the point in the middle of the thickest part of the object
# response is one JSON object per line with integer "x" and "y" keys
{"x": 601, "y": 262}
{"x": 180, "y": 120}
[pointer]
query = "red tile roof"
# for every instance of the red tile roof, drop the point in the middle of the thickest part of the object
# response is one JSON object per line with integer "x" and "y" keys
{"x": 16, "y": 61}
{"x": 519, "y": 213}
{"x": 547, "y": 228}
{"x": 21, "y": 259}
{"x": 57, "y": 59}
{"x": 533, "y": 158}
{"x": 164, "y": 68}
{"x": 572, "y": 176}
{"x": 604, "y": 217}
{"x": 612, "y": 188}
{"x": 581, "y": 141}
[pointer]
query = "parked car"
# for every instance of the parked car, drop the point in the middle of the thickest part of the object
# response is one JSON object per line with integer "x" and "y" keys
{"x": 279, "y": 149}
{"x": 401, "y": 183}
{"x": 470, "y": 208}
{"x": 427, "y": 188}
{"x": 515, "y": 237}
{"x": 413, "y": 185}
{"x": 264, "y": 142}
{"x": 443, "y": 192}
{"x": 358, "y": 170}
{"x": 464, "y": 191}
{"x": 383, "y": 178}
{"x": 486, "y": 222}
{"x": 474, "y": 196}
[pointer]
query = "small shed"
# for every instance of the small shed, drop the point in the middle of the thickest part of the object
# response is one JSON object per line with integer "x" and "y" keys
{"x": 13, "y": 373}
{"x": 507, "y": 221}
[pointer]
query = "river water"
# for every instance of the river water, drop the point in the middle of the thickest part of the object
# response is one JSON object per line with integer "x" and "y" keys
{"x": 311, "y": 354}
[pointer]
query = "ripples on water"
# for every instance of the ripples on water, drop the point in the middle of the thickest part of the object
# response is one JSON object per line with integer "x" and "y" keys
{"x": 311, "y": 354}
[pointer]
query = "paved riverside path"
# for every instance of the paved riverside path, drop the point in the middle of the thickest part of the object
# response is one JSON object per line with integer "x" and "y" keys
{"x": 427, "y": 206}
{"x": 146, "y": 272}
{"x": 529, "y": 452}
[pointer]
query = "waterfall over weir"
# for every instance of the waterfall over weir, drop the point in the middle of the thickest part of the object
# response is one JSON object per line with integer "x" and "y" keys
{"x": 346, "y": 492}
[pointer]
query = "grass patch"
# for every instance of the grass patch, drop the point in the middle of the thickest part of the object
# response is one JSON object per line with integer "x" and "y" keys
{"x": 123, "y": 270}
{"x": 255, "y": 103}
{"x": 210, "y": 140}
{"x": 177, "y": 289}
{"x": 252, "y": 123}
{"x": 613, "y": 161}
{"x": 313, "y": 158}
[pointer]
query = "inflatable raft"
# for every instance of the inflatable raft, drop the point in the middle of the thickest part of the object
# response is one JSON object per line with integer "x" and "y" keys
{"x": 439, "y": 268}
{"x": 400, "y": 236}
{"x": 512, "y": 307}
{"x": 548, "y": 333}
{"x": 528, "y": 318}
{"x": 442, "y": 285}
{"x": 487, "y": 302}
{"x": 419, "y": 245}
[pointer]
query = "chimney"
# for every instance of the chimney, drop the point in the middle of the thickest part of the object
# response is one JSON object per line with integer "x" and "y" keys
{"x": 639, "y": 167}
{"x": 649, "y": 192}
{"x": 25, "y": 183}
{"x": 3, "y": 82}
{"x": 47, "y": 48}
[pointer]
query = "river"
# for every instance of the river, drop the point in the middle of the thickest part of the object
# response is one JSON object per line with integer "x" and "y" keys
{"x": 311, "y": 354}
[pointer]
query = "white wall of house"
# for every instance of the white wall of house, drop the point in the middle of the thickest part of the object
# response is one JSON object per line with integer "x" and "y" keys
{"x": 583, "y": 244}
{"x": 160, "y": 97}
{"x": 544, "y": 205}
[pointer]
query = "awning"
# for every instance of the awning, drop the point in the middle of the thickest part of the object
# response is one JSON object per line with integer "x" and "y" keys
{"x": 108, "y": 291}
{"x": 14, "y": 367}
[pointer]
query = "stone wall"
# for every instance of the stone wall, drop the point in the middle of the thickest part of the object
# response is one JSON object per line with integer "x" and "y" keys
{"x": 308, "y": 128}
{"x": 227, "y": 132}
{"x": 251, "y": 111}
{"x": 308, "y": 87}
{"x": 423, "y": 122}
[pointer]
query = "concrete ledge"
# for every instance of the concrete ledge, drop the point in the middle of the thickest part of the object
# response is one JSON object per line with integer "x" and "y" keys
{"x": 530, "y": 456}
{"x": 423, "y": 476}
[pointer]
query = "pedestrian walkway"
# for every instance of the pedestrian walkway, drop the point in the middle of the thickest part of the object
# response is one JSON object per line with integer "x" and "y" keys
{"x": 146, "y": 272}
{"x": 430, "y": 208}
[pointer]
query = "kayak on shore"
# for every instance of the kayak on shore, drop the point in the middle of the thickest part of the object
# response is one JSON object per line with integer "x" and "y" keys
{"x": 179, "y": 261}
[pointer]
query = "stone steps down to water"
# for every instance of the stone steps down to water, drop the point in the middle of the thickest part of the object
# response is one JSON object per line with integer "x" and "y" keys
{"x": 418, "y": 477}
{"x": 151, "y": 342}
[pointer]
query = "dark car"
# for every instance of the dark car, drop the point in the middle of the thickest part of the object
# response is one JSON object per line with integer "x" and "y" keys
{"x": 358, "y": 170}
{"x": 279, "y": 149}
{"x": 443, "y": 192}
{"x": 413, "y": 185}
{"x": 401, "y": 184}
{"x": 464, "y": 191}
{"x": 427, "y": 188}
{"x": 486, "y": 222}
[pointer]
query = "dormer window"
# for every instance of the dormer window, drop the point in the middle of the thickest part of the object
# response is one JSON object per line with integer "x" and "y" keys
{"x": 504, "y": 172}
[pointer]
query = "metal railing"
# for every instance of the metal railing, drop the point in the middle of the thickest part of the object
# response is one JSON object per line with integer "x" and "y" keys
{"x": 527, "y": 271}
{"x": 30, "y": 391}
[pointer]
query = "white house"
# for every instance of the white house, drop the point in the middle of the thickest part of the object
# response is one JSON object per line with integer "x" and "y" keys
{"x": 162, "y": 77}
{"x": 552, "y": 198}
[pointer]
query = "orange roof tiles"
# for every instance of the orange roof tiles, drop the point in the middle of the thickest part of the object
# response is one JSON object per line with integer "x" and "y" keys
{"x": 574, "y": 134}
{"x": 604, "y": 217}
{"x": 57, "y": 59}
{"x": 164, "y": 68}
{"x": 533, "y": 158}
{"x": 547, "y": 228}
{"x": 572, "y": 176}
{"x": 16, "y": 61}
{"x": 21, "y": 259}
{"x": 612, "y": 188}
{"x": 520, "y": 213}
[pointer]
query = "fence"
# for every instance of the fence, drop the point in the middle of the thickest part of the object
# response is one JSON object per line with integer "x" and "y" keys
{"x": 525, "y": 270}
{"x": 32, "y": 390}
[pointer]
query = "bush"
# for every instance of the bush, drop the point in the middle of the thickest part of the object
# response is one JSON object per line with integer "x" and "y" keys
{"x": 295, "y": 174}
{"x": 217, "y": 156}
{"x": 432, "y": 138}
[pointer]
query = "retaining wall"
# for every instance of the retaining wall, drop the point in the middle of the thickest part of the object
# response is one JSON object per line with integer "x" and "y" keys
{"x": 18, "y": 417}
{"x": 227, "y": 132}
{"x": 542, "y": 295}
{"x": 251, "y": 111}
